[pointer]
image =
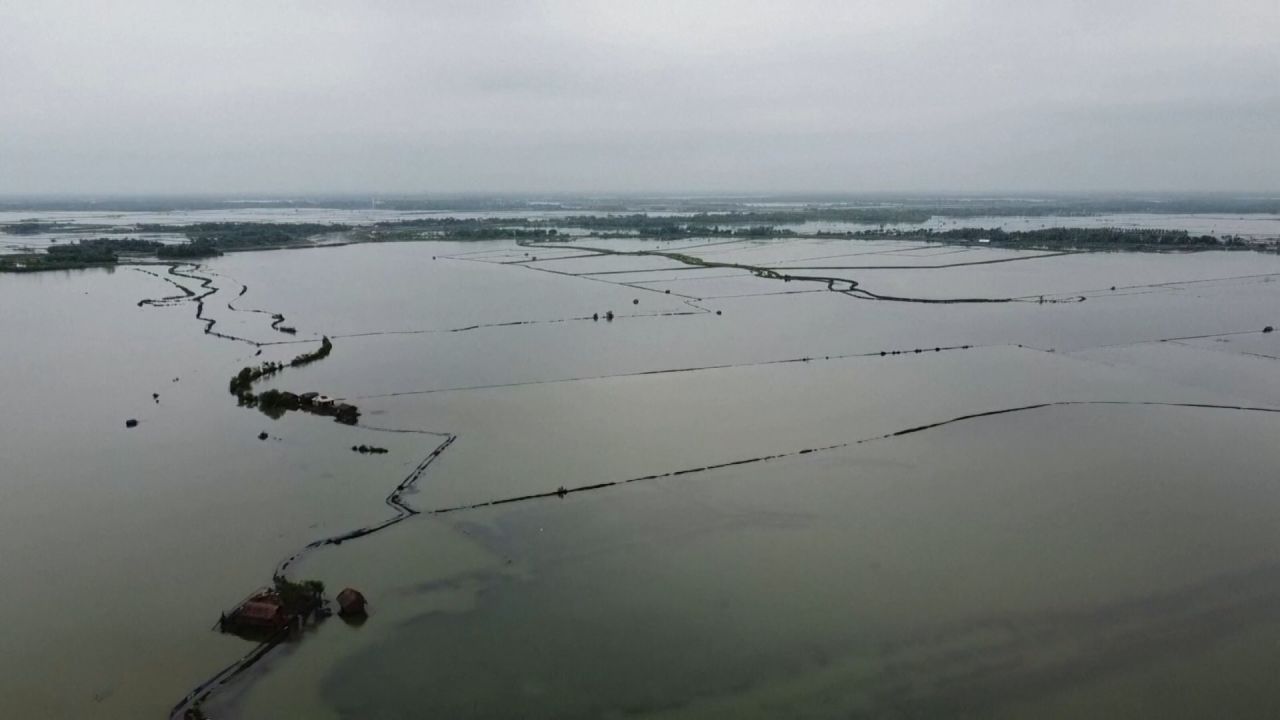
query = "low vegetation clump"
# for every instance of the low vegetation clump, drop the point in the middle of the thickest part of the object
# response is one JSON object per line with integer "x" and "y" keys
{"x": 249, "y": 235}
{"x": 242, "y": 383}
{"x": 326, "y": 347}
{"x": 276, "y": 403}
{"x": 37, "y": 227}
{"x": 299, "y": 598}
{"x": 83, "y": 253}
{"x": 187, "y": 251}
{"x": 203, "y": 240}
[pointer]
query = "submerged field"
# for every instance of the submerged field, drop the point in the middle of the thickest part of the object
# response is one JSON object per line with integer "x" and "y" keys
{"x": 1028, "y": 484}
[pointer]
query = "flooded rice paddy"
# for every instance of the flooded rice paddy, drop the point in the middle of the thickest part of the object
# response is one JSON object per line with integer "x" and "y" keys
{"x": 741, "y": 497}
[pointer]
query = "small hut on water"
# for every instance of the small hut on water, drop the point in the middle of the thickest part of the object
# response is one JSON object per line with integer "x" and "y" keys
{"x": 351, "y": 603}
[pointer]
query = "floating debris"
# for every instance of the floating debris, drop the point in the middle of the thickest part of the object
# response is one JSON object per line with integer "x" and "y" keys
{"x": 131, "y": 422}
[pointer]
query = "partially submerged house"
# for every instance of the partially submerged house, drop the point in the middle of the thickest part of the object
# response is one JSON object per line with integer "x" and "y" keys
{"x": 264, "y": 610}
{"x": 351, "y": 603}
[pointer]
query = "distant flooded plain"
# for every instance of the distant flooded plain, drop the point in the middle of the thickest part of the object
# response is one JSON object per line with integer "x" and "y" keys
{"x": 738, "y": 497}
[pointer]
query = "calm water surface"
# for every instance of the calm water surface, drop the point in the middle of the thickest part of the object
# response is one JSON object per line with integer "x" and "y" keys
{"x": 1058, "y": 561}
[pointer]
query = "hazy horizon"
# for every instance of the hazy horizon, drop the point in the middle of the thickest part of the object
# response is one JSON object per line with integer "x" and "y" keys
{"x": 692, "y": 98}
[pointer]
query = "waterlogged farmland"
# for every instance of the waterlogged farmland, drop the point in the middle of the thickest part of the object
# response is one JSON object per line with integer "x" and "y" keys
{"x": 668, "y": 477}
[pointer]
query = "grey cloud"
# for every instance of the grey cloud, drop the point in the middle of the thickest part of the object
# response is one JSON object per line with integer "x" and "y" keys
{"x": 238, "y": 96}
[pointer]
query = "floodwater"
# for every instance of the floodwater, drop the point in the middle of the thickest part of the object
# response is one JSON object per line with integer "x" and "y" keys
{"x": 1020, "y": 509}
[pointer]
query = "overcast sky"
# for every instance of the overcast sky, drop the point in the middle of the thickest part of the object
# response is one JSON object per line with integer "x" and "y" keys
{"x": 175, "y": 96}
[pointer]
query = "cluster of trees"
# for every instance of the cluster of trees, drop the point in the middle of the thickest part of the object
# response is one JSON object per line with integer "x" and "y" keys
{"x": 701, "y": 222}
{"x": 499, "y": 233}
{"x": 29, "y": 227}
{"x": 731, "y": 224}
{"x": 102, "y": 251}
{"x": 247, "y": 235}
{"x": 242, "y": 383}
{"x": 80, "y": 254}
{"x": 325, "y": 348}
{"x": 87, "y": 253}
{"x": 188, "y": 250}
{"x": 274, "y": 403}
{"x": 299, "y": 598}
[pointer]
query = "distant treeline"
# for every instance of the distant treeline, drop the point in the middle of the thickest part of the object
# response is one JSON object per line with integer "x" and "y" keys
{"x": 203, "y": 240}
{"x": 211, "y": 239}
{"x": 188, "y": 250}
{"x": 642, "y": 222}
{"x": 1072, "y": 238}
{"x": 83, "y": 253}
{"x": 97, "y": 252}
{"x": 29, "y": 227}
{"x": 246, "y": 235}
{"x": 498, "y": 233}
{"x": 731, "y": 224}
